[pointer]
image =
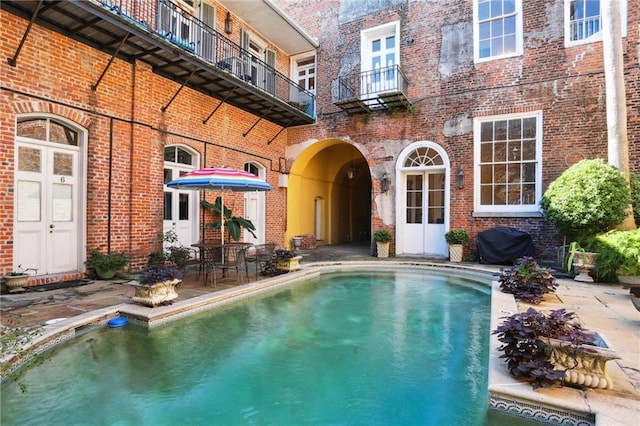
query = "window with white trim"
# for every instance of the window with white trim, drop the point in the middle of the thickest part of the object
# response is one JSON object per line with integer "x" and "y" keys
{"x": 497, "y": 29}
{"x": 583, "y": 24}
{"x": 508, "y": 153}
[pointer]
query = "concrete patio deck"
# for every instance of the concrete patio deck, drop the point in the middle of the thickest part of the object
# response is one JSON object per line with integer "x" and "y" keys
{"x": 605, "y": 308}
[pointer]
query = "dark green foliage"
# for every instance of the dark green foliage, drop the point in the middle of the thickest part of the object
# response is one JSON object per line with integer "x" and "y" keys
{"x": 527, "y": 281}
{"x": 618, "y": 254}
{"x": 232, "y": 224}
{"x": 587, "y": 198}
{"x": 635, "y": 197}
{"x": 107, "y": 261}
{"x": 382, "y": 236}
{"x": 456, "y": 236}
{"x": 524, "y": 348}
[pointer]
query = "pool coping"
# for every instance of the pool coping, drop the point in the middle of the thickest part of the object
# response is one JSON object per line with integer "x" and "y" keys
{"x": 557, "y": 405}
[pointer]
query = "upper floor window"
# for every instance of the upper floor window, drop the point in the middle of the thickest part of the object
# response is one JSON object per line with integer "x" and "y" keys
{"x": 583, "y": 22}
{"x": 508, "y": 154}
{"x": 380, "y": 57}
{"x": 497, "y": 29}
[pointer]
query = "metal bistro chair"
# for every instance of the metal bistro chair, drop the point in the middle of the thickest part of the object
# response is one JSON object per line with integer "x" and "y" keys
{"x": 259, "y": 254}
{"x": 223, "y": 258}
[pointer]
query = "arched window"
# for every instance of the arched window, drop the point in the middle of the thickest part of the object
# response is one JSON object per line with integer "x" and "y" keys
{"x": 48, "y": 130}
{"x": 422, "y": 157}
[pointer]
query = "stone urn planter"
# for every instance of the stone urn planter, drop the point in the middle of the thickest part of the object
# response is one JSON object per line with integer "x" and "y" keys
{"x": 153, "y": 295}
{"x": 16, "y": 283}
{"x": 586, "y": 368}
{"x": 584, "y": 261}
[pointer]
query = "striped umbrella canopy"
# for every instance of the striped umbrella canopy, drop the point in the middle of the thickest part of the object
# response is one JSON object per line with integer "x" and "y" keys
{"x": 220, "y": 179}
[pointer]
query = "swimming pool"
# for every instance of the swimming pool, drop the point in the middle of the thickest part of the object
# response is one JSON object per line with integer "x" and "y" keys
{"x": 374, "y": 347}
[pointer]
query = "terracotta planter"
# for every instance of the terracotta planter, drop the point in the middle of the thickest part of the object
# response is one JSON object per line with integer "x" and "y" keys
{"x": 382, "y": 249}
{"x": 586, "y": 369}
{"x": 455, "y": 252}
{"x": 154, "y": 294}
{"x": 288, "y": 264}
{"x": 15, "y": 283}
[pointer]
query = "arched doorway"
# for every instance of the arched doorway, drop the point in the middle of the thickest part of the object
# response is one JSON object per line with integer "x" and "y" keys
{"x": 181, "y": 206}
{"x": 254, "y": 206}
{"x": 50, "y": 194}
{"x": 329, "y": 194}
{"x": 422, "y": 201}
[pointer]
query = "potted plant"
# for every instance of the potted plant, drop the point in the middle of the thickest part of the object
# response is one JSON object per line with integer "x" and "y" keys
{"x": 287, "y": 260}
{"x": 584, "y": 260}
{"x": 232, "y": 224}
{"x": 527, "y": 281}
{"x": 546, "y": 350}
{"x": 157, "y": 285}
{"x": 456, "y": 238}
{"x": 17, "y": 280}
{"x": 176, "y": 252}
{"x": 107, "y": 264}
{"x": 382, "y": 238}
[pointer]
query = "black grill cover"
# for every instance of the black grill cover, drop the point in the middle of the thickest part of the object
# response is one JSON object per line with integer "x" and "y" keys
{"x": 503, "y": 246}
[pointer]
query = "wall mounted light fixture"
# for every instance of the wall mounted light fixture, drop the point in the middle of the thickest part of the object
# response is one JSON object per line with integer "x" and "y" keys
{"x": 460, "y": 177}
{"x": 228, "y": 28}
{"x": 384, "y": 182}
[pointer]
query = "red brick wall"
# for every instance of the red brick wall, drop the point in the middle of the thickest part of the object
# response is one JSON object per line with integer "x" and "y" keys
{"x": 54, "y": 75}
{"x": 567, "y": 84}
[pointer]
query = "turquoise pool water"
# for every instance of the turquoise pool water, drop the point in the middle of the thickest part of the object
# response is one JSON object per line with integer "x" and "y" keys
{"x": 383, "y": 348}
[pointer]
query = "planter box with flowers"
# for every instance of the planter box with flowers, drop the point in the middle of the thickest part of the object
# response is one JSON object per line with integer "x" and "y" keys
{"x": 546, "y": 350}
{"x": 456, "y": 238}
{"x": 157, "y": 285}
{"x": 383, "y": 239}
{"x": 287, "y": 260}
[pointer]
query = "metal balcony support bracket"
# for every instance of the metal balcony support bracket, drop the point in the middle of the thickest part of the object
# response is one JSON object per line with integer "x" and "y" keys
{"x": 12, "y": 61}
{"x": 278, "y": 134}
{"x": 94, "y": 87}
{"x": 256, "y": 123}
{"x": 164, "y": 108}
{"x": 219, "y": 105}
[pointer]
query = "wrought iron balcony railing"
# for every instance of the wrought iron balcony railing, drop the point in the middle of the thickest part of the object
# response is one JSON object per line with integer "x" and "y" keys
{"x": 384, "y": 88}
{"x": 176, "y": 25}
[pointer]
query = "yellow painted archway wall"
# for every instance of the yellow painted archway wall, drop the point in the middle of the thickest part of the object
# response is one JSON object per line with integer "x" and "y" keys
{"x": 316, "y": 182}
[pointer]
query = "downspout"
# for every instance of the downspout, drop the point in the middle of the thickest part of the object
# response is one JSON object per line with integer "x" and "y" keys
{"x": 109, "y": 181}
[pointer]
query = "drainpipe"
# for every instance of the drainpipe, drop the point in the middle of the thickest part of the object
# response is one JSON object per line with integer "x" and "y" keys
{"x": 109, "y": 190}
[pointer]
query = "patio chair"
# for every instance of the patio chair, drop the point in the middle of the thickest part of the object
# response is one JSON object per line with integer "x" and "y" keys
{"x": 223, "y": 258}
{"x": 259, "y": 254}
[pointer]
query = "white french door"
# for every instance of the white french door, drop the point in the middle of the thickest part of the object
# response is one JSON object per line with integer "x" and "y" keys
{"x": 254, "y": 207}
{"x": 380, "y": 52}
{"x": 180, "y": 208}
{"x": 47, "y": 207}
{"x": 424, "y": 213}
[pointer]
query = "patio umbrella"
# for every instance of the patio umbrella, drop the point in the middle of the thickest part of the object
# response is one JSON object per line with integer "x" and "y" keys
{"x": 220, "y": 179}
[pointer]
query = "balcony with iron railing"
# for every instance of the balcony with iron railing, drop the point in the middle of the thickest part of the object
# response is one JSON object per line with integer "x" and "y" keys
{"x": 179, "y": 46}
{"x": 383, "y": 88}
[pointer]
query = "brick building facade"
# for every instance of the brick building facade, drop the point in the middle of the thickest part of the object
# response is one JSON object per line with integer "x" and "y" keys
{"x": 457, "y": 87}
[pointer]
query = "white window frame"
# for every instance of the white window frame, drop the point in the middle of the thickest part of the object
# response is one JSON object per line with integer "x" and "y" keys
{"x": 506, "y": 209}
{"x": 476, "y": 35}
{"x": 294, "y": 75}
{"x": 366, "y": 37}
{"x": 597, "y": 36}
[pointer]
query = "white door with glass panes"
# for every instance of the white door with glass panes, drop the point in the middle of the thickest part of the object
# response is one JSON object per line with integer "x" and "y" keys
{"x": 254, "y": 207}
{"x": 424, "y": 226}
{"x": 180, "y": 205}
{"x": 380, "y": 55}
{"x": 422, "y": 211}
{"x": 48, "y": 197}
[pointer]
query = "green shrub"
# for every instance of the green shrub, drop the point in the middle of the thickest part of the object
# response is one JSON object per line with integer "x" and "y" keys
{"x": 587, "y": 198}
{"x": 618, "y": 254}
{"x": 456, "y": 236}
{"x": 635, "y": 196}
{"x": 383, "y": 236}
